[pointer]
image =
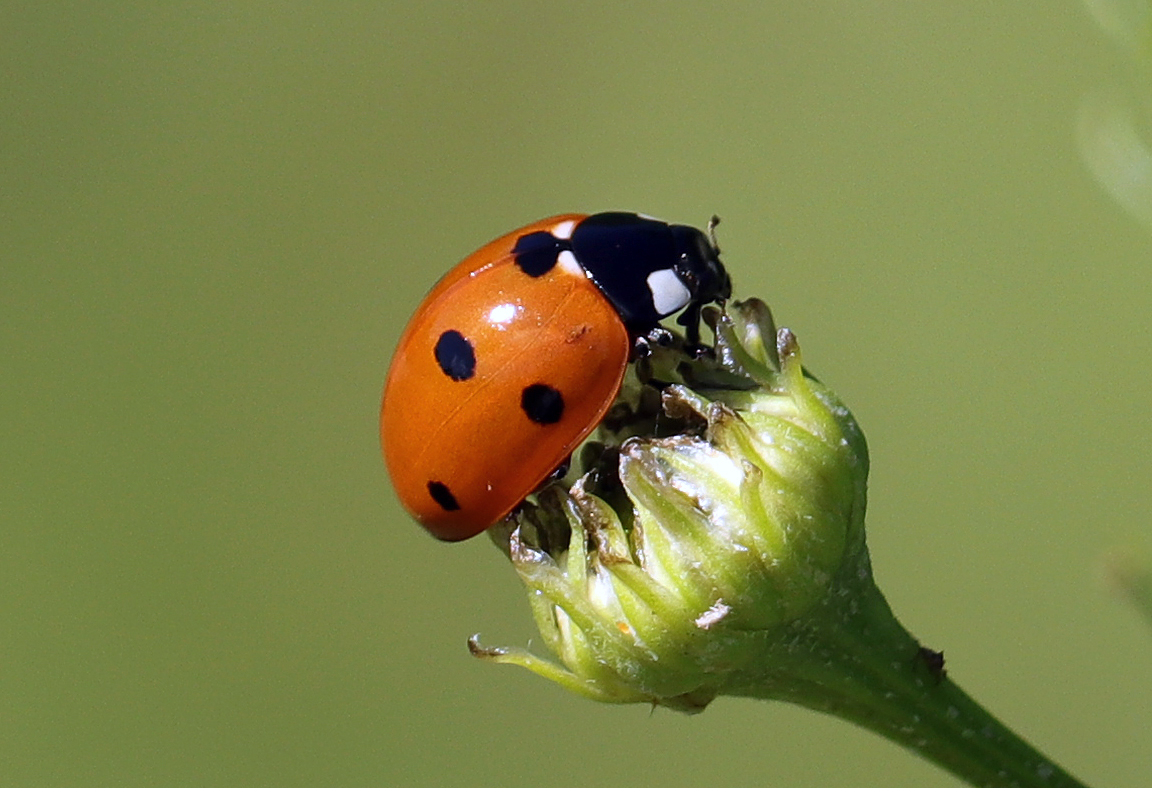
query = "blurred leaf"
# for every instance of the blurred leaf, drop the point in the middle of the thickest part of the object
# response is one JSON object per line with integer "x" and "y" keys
{"x": 1116, "y": 154}
{"x": 1126, "y": 21}
{"x": 1131, "y": 575}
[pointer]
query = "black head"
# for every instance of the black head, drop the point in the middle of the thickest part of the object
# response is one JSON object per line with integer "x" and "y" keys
{"x": 650, "y": 269}
{"x": 699, "y": 265}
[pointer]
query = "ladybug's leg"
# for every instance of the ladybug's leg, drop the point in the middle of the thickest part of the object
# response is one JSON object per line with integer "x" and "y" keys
{"x": 560, "y": 472}
{"x": 643, "y": 344}
{"x": 690, "y": 319}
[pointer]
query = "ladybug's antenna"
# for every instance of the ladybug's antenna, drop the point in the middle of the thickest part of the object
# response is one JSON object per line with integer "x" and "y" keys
{"x": 715, "y": 220}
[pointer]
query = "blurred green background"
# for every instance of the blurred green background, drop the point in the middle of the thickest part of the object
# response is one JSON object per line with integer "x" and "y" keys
{"x": 216, "y": 218}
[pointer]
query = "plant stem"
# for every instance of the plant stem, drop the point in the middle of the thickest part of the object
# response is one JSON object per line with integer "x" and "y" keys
{"x": 869, "y": 670}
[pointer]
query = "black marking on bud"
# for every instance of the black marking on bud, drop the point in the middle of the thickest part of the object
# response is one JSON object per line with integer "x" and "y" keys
{"x": 934, "y": 661}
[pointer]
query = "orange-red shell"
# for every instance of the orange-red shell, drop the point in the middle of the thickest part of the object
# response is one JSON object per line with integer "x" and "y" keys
{"x": 473, "y": 436}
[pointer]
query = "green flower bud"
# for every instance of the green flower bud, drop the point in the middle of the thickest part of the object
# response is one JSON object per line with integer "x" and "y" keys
{"x": 715, "y": 546}
{"x": 732, "y": 530}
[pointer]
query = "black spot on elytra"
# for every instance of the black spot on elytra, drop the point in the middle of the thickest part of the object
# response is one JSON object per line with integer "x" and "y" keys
{"x": 455, "y": 356}
{"x": 443, "y": 496}
{"x": 542, "y": 404}
{"x": 536, "y": 253}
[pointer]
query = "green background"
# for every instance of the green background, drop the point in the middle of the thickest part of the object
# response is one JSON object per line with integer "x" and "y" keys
{"x": 215, "y": 219}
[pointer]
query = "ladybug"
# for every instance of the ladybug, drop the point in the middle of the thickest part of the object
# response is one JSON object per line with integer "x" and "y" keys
{"x": 515, "y": 355}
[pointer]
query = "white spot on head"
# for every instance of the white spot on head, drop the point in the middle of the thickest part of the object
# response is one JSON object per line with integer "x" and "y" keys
{"x": 502, "y": 314}
{"x": 669, "y": 294}
{"x": 568, "y": 263}
{"x": 563, "y": 231}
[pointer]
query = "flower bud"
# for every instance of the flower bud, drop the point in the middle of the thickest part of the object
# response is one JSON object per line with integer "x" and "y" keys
{"x": 728, "y": 523}
{"x": 715, "y": 546}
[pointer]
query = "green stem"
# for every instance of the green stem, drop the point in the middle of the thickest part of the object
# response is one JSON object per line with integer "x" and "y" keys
{"x": 854, "y": 660}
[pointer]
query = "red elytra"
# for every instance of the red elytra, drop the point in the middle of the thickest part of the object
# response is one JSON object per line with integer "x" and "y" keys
{"x": 516, "y": 354}
{"x": 463, "y": 450}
